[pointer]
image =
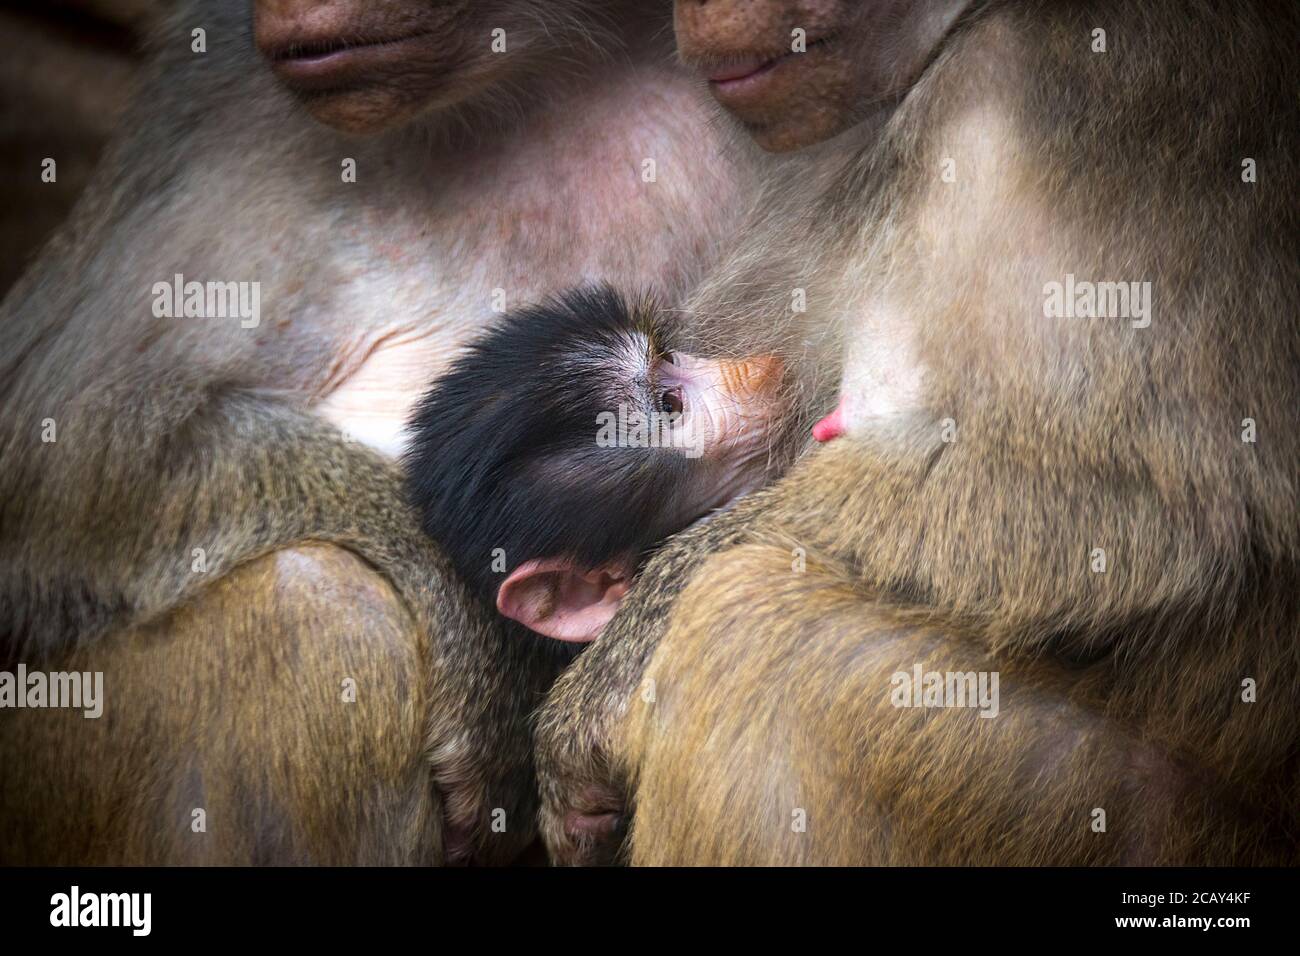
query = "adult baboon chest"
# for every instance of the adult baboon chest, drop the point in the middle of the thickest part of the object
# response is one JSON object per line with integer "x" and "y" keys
{"x": 421, "y": 266}
{"x": 376, "y": 258}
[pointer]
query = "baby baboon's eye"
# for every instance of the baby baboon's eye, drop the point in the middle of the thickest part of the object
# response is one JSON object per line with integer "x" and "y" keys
{"x": 671, "y": 401}
{"x": 670, "y": 358}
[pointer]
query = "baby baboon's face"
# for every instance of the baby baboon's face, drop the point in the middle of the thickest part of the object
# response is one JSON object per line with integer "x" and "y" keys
{"x": 723, "y": 412}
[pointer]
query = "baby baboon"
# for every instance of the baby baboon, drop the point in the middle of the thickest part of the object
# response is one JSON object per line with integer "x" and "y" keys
{"x": 568, "y": 441}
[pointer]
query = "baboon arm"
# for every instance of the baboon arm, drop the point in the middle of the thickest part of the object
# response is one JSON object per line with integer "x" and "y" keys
{"x": 576, "y": 773}
{"x": 152, "y": 491}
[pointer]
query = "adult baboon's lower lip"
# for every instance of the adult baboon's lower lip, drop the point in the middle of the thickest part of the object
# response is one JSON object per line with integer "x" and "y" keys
{"x": 741, "y": 69}
{"x": 320, "y": 64}
{"x": 746, "y": 75}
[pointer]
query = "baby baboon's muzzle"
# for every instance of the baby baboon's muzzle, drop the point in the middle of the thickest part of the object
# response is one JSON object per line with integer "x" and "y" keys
{"x": 757, "y": 376}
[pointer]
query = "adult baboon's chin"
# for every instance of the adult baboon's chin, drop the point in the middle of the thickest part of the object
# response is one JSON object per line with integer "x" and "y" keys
{"x": 796, "y": 73}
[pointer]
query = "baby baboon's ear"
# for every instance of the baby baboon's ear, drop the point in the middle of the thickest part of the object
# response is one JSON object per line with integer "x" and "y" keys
{"x": 554, "y": 598}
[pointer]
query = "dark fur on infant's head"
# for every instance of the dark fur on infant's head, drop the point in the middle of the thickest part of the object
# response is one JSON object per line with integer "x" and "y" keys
{"x": 504, "y": 453}
{"x": 516, "y": 474}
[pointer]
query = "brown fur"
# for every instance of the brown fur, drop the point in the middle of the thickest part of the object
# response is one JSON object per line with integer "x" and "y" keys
{"x": 1123, "y": 689}
{"x": 176, "y": 434}
{"x": 813, "y": 749}
{"x": 240, "y": 698}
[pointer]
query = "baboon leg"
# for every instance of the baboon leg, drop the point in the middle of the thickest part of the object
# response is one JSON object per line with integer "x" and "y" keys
{"x": 288, "y": 702}
{"x": 781, "y": 733}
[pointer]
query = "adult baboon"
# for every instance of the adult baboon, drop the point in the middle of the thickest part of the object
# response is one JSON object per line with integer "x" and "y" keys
{"x": 1064, "y": 279}
{"x": 260, "y": 269}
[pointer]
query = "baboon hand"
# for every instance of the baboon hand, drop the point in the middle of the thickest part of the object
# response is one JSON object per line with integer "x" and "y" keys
{"x": 487, "y": 816}
{"x": 586, "y": 826}
{"x": 584, "y": 811}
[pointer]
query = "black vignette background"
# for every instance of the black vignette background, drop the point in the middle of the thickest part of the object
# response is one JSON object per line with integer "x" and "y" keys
{"x": 66, "y": 74}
